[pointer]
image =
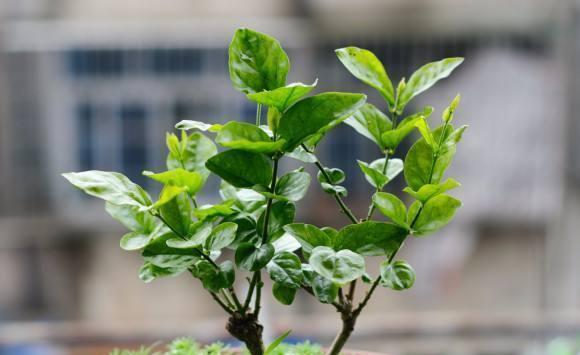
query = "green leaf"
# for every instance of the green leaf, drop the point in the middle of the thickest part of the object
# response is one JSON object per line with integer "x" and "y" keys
{"x": 132, "y": 217}
{"x": 293, "y": 185}
{"x": 221, "y": 236}
{"x": 338, "y": 266}
{"x": 284, "y": 294}
{"x": 168, "y": 194}
{"x": 159, "y": 247}
{"x": 286, "y": 243}
{"x": 281, "y": 214}
{"x": 187, "y": 125}
{"x": 112, "y": 187}
{"x": 448, "y": 113}
{"x": 333, "y": 189}
{"x": 191, "y": 181}
{"x": 436, "y": 213}
{"x": 392, "y": 207}
{"x": 273, "y": 345}
{"x": 391, "y": 139}
{"x": 252, "y": 258}
{"x": 422, "y": 167}
{"x": 197, "y": 239}
{"x": 365, "y": 66}
{"x": 431, "y": 190}
{"x": 150, "y": 272}
{"x": 257, "y": 62}
{"x": 283, "y": 97}
{"x": 241, "y": 168}
{"x": 425, "y": 77}
{"x": 248, "y": 137}
{"x": 135, "y": 241}
{"x": 177, "y": 213}
{"x": 413, "y": 212}
{"x": 374, "y": 171}
{"x": 371, "y": 123}
{"x": 195, "y": 150}
{"x": 172, "y": 261}
{"x": 425, "y": 131}
{"x": 209, "y": 211}
{"x": 244, "y": 199}
{"x": 324, "y": 289}
{"x": 300, "y": 154}
{"x": 308, "y": 235}
{"x": 316, "y": 114}
{"x": 215, "y": 279}
{"x": 452, "y": 139}
{"x": 371, "y": 238}
{"x": 336, "y": 176}
{"x": 397, "y": 276}
{"x": 285, "y": 268}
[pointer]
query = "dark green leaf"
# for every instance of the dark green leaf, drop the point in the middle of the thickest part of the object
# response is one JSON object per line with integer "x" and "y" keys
{"x": 191, "y": 181}
{"x": 397, "y": 276}
{"x": 283, "y": 293}
{"x": 431, "y": 190}
{"x": 248, "y": 137}
{"x": 241, "y": 168}
{"x": 257, "y": 62}
{"x": 392, "y": 207}
{"x": 316, "y": 114}
{"x": 333, "y": 189}
{"x": 371, "y": 238}
{"x": 197, "y": 239}
{"x": 281, "y": 214}
{"x": 150, "y": 272}
{"x": 425, "y": 77}
{"x": 308, "y": 235}
{"x": 215, "y": 279}
{"x": 293, "y": 185}
{"x": 177, "y": 213}
{"x": 172, "y": 261}
{"x": 283, "y": 97}
{"x": 336, "y": 176}
{"x": 221, "y": 236}
{"x": 338, "y": 266}
{"x": 285, "y": 268}
{"x": 252, "y": 258}
{"x": 365, "y": 66}
{"x": 324, "y": 289}
{"x": 370, "y": 122}
{"x": 112, "y": 187}
{"x": 210, "y": 211}
{"x": 436, "y": 213}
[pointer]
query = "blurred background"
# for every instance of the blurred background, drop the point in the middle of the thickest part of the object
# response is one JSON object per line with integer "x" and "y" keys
{"x": 95, "y": 84}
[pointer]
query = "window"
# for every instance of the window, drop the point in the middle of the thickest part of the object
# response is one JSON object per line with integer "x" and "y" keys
{"x": 133, "y": 144}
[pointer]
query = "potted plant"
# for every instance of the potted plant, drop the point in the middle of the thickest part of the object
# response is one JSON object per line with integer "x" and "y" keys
{"x": 255, "y": 218}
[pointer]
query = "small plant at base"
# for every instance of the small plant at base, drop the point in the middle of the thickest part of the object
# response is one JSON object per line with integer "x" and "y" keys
{"x": 255, "y": 218}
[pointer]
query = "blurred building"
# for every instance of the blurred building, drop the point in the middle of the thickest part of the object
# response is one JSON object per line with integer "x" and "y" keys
{"x": 94, "y": 84}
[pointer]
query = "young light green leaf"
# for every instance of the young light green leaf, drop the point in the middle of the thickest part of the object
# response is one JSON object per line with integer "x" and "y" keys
{"x": 135, "y": 241}
{"x": 285, "y": 268}
{"x": 397, "y": 276}
{"x": 195, "y": 150}
{"x": 374, "y": 171}
{"x": 210, "y": 211}
{"x": 221, "y": 236}
{"x": 190, "y": 181}
{"x": 252, "y": 258}
{"x": 257, "y": 62}
{"x": 392, "y": 207}
{"x": 422, "y": 166}
{"x": 336, "y": 176}
{"x": 338, "y": 266}
{"x": 187, "y": 125}
{"x": 365, "y": 66}
{"x": 371, "y": 238}
{"x": 425, "y": 77}
{"x": 450, "y": 110}
{"x": 413, "y": 212}
{"x": 308, "y": 235}
{"x": 436, "y": 213}
{"x": 283, "y": 97}
{"x": 316, "y": 114}
{"x": 195, "y": 240}
{"x": 248, "y": 137}
{"x": 370, "y": 122}
{"x": 276, "y": 342}
{"x": 241, "y": 168}
{"x": 132, "y": 217}
{"x": 425, "y": 131}
{"x": 177, "y": 213}
{"x": 431, "y": 190}
{"x": 112, "y": 187}
{"x": 452, "y": 139}
{"x": 283, "y": 293}
{"x": 391, "y": 139}
{"x": 168, "y": 193}
{"x": 300, "y": 154}
{"x": 281, "y": 214}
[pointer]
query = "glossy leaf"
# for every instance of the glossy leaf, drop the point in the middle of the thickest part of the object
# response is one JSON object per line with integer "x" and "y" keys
{"x": 172, "y": 261}
{"x": 300, "y": 154}
{"x": 257, "y": 62}
{"x": 215, "y": 279}
{"x": 195, "y": 150}
{"x": 397, "y": 275}
{"x": 150, "y": 272}
{"x": 285, "y": 268}
{"x": 283, "y": 293}
{"x": 309, "y": 236}
{"x": 209, "y": 211}
{"x": 293, "y": 185}
{"x": 370, "y": 122}
{"x": 338, "y": 266}
{"x": 336, "y": 176}
{"x": 286, "y": 243}
{"x": 315, "y": 114}
{"x": 177, "y": 213}
{"x": 324, "y": 289}
{"x": 248, "y": 137}
{"x": 425, "y": 77}
{"x": 391, "y": 139}
{"x": 281, "y": 214}
{"x": 221, "y": 236}
{"x": 135, "y": 241}
{"x": 283, "y": 97}
{"x": 431, "y": 190}
{"x": 392, "y": 207}
{"x": 374, "y": 171}
{"x": 334, "y": 189}
{"x": 112, "y": 187}
{"x": 132, "y": 217}
{"x": 365, "y": 66}
{"x": 252, "y": 258}
{"x": 241, "y": 168}
{"x": 425, "y": 131}
{"x": 449, "y": 112}
{"x": 201, "y": 126}
{"x": 371, "y": 238}
{"x": 190, "y": 181}
{"x": 436, "y": 213}
{"x": 413, "y": 212}
{"x": 197, "y": 239}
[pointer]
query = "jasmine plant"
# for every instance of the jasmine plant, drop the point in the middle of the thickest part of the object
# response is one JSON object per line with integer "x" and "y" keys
{"x": 255, "y": 217}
